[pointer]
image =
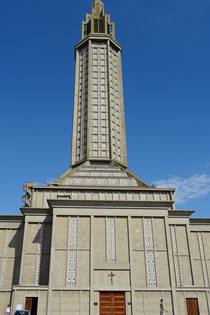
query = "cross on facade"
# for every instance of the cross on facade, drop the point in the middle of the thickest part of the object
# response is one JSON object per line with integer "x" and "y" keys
{"x": 111, "y": 275}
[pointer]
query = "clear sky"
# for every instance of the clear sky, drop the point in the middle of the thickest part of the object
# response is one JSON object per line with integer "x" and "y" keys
{"x": 166, "y": 70}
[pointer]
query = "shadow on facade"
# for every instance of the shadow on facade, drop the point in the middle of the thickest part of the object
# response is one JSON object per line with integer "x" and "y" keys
{"x": 16, "y": 243}
{"x": 43, "y": 239}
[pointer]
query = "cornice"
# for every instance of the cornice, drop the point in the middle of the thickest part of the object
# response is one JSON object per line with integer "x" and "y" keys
{"x": 155, "y": 205}
{"x": 98, "y": 37}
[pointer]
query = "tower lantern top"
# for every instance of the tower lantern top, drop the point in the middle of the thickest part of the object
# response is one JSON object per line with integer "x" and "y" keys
{"x": 98, "y": 9}
{"x": 98, "y": 22}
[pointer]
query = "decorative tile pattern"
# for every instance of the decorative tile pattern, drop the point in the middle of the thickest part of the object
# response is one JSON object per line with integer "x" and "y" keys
{"x": 203, "y": 259}
{"x": 176, "y": 256}
{"x": 38, "y": 253}
{"x": 4, "y": 258}
{"x": 110, "y": 239}
{"x": 149, "y": 253}
{"x": 72, "y": 251}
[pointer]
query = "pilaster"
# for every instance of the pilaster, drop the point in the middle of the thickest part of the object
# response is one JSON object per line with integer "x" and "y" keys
{"x": 171, "y": 266}
{"x": 49, "y": 296}
{"x": 23, "y": 253}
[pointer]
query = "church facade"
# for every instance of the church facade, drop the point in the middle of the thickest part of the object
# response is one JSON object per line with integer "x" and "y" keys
{"x": 99, "y": 241}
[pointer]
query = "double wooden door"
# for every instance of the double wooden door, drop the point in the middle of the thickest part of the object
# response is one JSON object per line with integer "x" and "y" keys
{"x": 112, "y": 303}
{"x": 192, "y": 307}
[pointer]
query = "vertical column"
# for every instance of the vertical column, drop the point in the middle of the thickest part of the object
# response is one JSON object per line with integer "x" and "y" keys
{"x": 91, "y": 264}
{"x": 76, "y": 105}
{"x": 208, "y": 300}
{"x": 171, "y": 268}
{"x": 23, "y": 252}
{"x": 122, "y": 110}
{"x": 79, "y": 137}
{"x": 130, "y": 245}
{"x": 89, "y": 109}
{"x": 109, "y": 101}
{"x": 49, "y": 297}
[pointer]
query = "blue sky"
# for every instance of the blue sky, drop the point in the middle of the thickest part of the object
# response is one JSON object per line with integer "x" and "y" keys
{"x": 166, "y": 70}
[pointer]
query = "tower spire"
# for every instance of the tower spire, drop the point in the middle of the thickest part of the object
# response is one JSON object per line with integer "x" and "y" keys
{"x": 98, "y": 21}
{"x": 98, "y": 9}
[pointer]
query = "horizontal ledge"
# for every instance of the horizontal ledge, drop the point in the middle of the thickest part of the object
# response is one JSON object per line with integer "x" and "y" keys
{"x": 98, "y": 188}
{"x": 97, "y": 37}
{"x": 5, "y": 217}
{"x": 200, "y": 220}
{"x": 192, "y": 289}
{"x": 180, "y": 213}
{"x": 103, "y": 203}
{"x": 30, "y": 287}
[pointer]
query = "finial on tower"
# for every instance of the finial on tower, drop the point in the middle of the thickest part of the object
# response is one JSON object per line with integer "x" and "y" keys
{"x": 98, "y": 22}
{"x": 98, "y": 9}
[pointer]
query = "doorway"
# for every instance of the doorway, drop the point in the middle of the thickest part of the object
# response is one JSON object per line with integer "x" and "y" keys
{"x": 192, "y": 306}
{"x": 112, "y": 303}
{"x": 31, "y": 305}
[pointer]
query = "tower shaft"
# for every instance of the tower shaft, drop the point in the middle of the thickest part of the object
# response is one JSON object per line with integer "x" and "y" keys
{"x": 98, "y": 124}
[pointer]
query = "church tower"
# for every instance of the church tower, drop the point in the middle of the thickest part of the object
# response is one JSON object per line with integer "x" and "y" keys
{"x": 99, "y": 127}
{"x": 98, "y": 240}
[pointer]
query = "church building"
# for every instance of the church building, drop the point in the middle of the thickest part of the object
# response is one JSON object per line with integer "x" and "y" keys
{"x": 98, "y": 240}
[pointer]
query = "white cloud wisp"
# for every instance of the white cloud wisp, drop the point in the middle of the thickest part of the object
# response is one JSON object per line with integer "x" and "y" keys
{"x": 192, "y": 187}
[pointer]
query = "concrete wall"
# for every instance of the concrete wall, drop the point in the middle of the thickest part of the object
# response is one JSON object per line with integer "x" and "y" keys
{"x": 150, "y": 257}
{"x": 11, "y": 233}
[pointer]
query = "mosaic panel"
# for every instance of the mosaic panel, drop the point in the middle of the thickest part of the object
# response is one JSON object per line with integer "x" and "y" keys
{"x": 149, "y": 253}
{"x": 110, "y": 239}
{"x": 72, "y": 251}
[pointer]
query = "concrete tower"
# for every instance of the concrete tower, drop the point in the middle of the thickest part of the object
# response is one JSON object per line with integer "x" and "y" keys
{"x": 99, "y": 241}
{"x": 99, "y": 127}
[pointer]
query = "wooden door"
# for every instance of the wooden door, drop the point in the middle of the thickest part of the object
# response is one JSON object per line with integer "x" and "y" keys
{"x": 112, "y": 303}
{"x": 28, "y": 303}
{"x": 192, "y": 307}
{"x": 31, "y": 304}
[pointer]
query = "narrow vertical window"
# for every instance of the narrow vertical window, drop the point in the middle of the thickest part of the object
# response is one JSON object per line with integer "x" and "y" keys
{"x": 72, "y": 251}
{"x": 176, "y": 256}
{"x": 4, "y": 259}
{"x": 149, "y": 253}
{"x": 38, "y": 253}
{"x": 203, "y": 259}
{"x": 110, "y": 239}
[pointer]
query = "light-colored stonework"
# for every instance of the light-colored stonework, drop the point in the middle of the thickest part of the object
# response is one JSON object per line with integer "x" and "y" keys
{"x": 99, "y": 227}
